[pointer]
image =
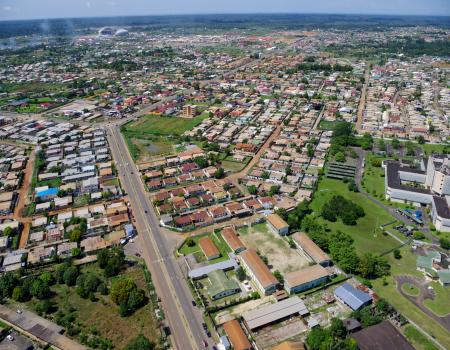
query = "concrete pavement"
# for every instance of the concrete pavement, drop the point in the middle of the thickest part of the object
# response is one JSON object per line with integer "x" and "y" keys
{"x": 184, "y": 320}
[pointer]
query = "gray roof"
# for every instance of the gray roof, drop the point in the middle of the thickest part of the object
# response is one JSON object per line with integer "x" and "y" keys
{"x": 274, "y": 312}
{"x": 351, "y": 296}
{"x": 204, "y": 270}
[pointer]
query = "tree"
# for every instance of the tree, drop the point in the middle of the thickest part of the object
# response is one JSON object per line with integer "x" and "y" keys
{"x": 395, "y": 143}
{"x": 252, "y": 189}
{"x": 317, "y": 338}
{"x": 397, "y": 254}
{"x": 445, "y": 243}
{"x": 121, "y": 289}
{"x": 39, "y": 289}
{"x": 275, "y": 189}
{"x": 75, "y": 235}
{"x": 219, "y": 173}
{"x": 48, "y": 278}
{"x": 70, "y": 276}
{"x": 202, "y": 162}
{"x": 8, "y": 231}
{"x": 18, "y": 294}
{"x": 278, "y": 276}
{"x": 140, "y": 343}
{"x": 340, "y": 157}
{"x": 240, "y": 273}
{"x": 75, "y": 252}
{"x": 337, "y": 328}
{"x": 420, "y": 139}
{"x": 135, "y": 299}
{"x": 373, "y": 266}
{"x": 190, "y": 242}
{"x": 310, "y": 150}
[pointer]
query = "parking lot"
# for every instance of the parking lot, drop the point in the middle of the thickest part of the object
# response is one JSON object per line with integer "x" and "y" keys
{"x": 16, "y": 342}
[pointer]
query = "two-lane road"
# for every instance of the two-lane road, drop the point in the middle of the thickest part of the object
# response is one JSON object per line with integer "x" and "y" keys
{"x": 184, "y": 320}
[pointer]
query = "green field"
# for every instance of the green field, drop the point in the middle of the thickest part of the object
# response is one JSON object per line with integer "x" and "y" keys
{"x": 163, "y": 125}
{"x": 441, "y": 304}
{"x": 410, "y": 289}
{"x": 418, "y": 340}
{"x": 366, "y": 234}
{"x": 199, "y": 256}
{"x": 388, "y": 290}
{"x": 373, "y": 178}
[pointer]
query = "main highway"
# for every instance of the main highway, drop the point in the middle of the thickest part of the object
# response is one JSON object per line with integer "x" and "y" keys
{"x": 183, "y": 318}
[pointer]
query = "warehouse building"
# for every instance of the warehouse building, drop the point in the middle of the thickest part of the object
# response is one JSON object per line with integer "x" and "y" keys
{"x": 352, "y": 297}
{"x": 273, "y": 313}
{"x": 303, "y": 242}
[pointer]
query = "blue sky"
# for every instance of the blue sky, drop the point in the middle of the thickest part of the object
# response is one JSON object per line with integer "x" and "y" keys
{"x": 30, "y": 9}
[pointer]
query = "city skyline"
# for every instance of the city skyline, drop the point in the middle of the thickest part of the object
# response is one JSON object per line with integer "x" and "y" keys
{"x": 47, "y": 9}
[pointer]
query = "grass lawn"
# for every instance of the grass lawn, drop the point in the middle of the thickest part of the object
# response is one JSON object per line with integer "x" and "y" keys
{"x": 406, "y": 266}
{"x": 410, "y": 289}
{"x": 233, "y": 166}
{"x": 373, "y": 178}
{"x": 326, "y": 125}
{"x": 418, "y": 339}
{"x": 163, "y": 125}
{"x": 50, "y": 183}
{"x": 366, "y": 233}
{"x": 441, "y": 303}
{"x": 433, "y": 148}
{"x": 196, "y": 250}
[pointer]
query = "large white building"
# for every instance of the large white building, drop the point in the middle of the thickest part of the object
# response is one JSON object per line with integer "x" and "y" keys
{"x": 427, "y": 185}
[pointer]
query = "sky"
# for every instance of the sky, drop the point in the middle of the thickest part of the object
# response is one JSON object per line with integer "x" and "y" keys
{"x": 42, "y": 9}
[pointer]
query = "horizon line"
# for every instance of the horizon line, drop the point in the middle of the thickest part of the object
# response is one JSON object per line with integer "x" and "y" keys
{"x": 229, "y": 14}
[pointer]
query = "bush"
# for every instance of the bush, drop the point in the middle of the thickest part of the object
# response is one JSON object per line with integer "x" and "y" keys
{"x": 140, "y": 343}
{"x": 70, "y": 276}
{"x": 397, "y": 254}
{"x": 445, "y": 243}
{"x": 190, "y": 242}
{"x": 418, "y": 235}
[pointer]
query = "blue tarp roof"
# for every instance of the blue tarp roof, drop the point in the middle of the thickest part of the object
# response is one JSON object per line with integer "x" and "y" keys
{"x": 52, "y": 191}
{"x": 351, "y": 296}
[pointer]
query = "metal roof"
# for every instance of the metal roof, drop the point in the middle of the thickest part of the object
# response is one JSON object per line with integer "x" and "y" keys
{"x": 204, "y": 270}
{"x": 274, "y": 312}
{"x": 351, "y": 296}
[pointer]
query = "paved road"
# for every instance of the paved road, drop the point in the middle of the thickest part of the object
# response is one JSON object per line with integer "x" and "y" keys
{"x": 39, "y": 327}
{"x": 362, "y": 101}
{"x": 184, "y": 320}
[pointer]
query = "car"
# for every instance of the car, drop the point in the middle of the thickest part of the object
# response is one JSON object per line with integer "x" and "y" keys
{"x": 193, "y": 303}
{"x": 138, "y": 255}
{"x": 146, "y": 212}
{"x": 10, "y": 337}
{"x": 205, "y": 327}
{"x": 19, "y": 311}
{"x": 208, "y": 333}
{"x": 205, "y": 343}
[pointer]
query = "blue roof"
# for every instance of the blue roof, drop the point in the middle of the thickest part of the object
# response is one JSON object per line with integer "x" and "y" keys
{"x": 351, "y": 296}
{"x": 129, "y": 229}
{"x": 52, "y": 191}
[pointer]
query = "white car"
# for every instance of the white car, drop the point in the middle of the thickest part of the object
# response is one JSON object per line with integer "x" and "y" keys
{"x": 10, "y": 337}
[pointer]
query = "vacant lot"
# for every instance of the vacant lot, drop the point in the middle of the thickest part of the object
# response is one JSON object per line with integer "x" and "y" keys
{"x": 366, "y": 233}
{"x": 275, "y": 248}
{"x": 101, "y": 317}
{"x": 163, "y": 125}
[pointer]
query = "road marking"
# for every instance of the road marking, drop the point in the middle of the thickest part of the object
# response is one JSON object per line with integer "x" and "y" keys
{"x": 155, "y": 246}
